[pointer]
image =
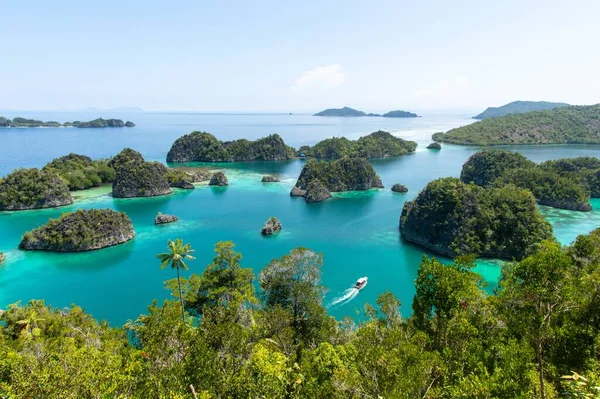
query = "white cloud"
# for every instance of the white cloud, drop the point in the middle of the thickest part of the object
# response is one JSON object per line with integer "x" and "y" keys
{"x": 319, "y": 79}
{"x": 443, "y": 88}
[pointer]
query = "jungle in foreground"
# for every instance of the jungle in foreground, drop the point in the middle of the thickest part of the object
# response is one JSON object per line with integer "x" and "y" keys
{"x": 535, "y": 337}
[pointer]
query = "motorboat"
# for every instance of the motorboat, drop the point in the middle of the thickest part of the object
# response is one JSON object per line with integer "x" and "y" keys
{"x": 361, "y": 283}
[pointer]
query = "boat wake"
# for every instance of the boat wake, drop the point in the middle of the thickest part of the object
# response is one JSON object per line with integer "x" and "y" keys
{"x": 345, "y": 297}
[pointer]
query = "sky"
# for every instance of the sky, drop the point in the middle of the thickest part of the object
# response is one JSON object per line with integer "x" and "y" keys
{"x": 296, "y": 56}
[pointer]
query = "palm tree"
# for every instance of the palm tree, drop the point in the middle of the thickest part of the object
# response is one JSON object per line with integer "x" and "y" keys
{"x": 178, "y": 253}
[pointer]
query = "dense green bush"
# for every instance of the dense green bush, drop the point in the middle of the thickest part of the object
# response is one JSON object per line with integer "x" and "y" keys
{"x": 548, "y": 188}
{"x": 31, "y": 189}
{"x": 204, "y": 147}
{"x": 566, "y": 125}
{"x": 379, "y": 144}
{"x": 126, "y": 157}
{"x": 80, "y": 172}
{"x": 236, "y": 342}
{"x": 346, "y": 174}
{"x": 454, "y": 218}
{"x": 483, "y": 167}
{"x": 146, "y": 179}
{"x": 584, "y": 169}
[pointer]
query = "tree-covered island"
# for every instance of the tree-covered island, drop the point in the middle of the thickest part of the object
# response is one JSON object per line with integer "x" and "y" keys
{"x": 100, "y": 122}
{"x": 204, "y": 147}
{"x": 564, "y": 125}
{"x": 518, "y": 107}
{"x": 379, "y": 144}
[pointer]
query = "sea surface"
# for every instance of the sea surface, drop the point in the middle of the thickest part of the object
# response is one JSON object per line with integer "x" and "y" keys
{"x": 357, "y": 232}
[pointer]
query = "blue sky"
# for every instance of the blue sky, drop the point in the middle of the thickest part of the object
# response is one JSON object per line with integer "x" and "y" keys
{"x": 296, "y": 56}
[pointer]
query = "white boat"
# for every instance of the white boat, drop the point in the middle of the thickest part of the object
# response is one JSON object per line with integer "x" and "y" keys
{"x": 361, "y": 283}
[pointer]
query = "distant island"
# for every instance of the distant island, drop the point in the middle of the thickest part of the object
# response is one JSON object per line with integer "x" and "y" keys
{"x": 379, "y": 144}
{"x": 204, "y": 147}
{"x": 346, "y": 111}
{"x": 351, "y": 112}
{"x": 318, "y": 179}
{"x": 22, "y": 122}
{"x": 518, "y": 107}
{"x": 565, "y": 125}
{"x": 399, "y": 114}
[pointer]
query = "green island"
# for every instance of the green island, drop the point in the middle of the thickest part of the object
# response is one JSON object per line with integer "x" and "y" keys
{"x": 319, "y": 178}
{"x": 33, "y": 189}
{"x": 219, "y": 337}
{"x": 204, "y": 147}
{"x": 453, "y": 218}
{"x": 83, "y": 230}
{"x": 344, "y": 112}
{"x": 565, "y": 125}
{"x": 518, "y": 107}
{"x": 379, "y": 144}
{"x": 23, "y": 122}
{"x": 81, "y": 172}
{"x": 140, "y": 179}
{"x": 564, "y": 183}
{"x": 399, "y": 114}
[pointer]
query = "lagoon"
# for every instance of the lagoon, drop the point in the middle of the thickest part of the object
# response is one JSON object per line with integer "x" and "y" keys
{"x": 357, "y": 232}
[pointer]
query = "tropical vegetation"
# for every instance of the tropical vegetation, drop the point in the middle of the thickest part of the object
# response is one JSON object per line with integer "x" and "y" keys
{"x": 345, "y": 174}
{"x": 518, "y": 107}
{"x": 204, "y": 147}
{"x": 454, "y": 218}
{"x": 565, "y": 125}
{"x": 80, "y": 172}
{"x": 24, "y": 122}
{"x": 32, "y": 189}
{"x": 379, "y": 144}
{"x": 536, "y": 337}
{"x": 82, "y": 230}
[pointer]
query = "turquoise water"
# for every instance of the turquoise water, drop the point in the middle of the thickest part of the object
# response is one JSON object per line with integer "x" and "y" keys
{"x": 357, "y": 232}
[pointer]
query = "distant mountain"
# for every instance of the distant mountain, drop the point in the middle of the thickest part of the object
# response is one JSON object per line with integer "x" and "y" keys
{"x": 346, "y": 111}
{"x": 117, "y": 109}
{"x": 563, "y": 125}
{"x": 399, "y": 114}
{"x": 518, "y": 107}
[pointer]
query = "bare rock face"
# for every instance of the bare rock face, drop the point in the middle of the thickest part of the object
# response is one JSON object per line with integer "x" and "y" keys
{"x": 270, "y": 179}
{"x": 162, "y": 218}
{"x": 297, "y": 192}
{"x": 2, "y": 257}
{"x": 218, "y": 179}
{"x": 316, "y": 192}
{"x": 272, "y": 225}
{"x": 399, "y": 188}
{"x": 84, "y": 230}
{"x": 201, "y": 175}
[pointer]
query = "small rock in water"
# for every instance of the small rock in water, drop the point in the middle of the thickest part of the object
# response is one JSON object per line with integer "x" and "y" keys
{"x": 399, "y": 188}
{"x": 434, "y": 146}
{"x": 2, "y": 257}
{"x": 297, "y": 192}
{"x": 218, "y": 179}
{"x": 270, "y": 179}
{"x": 162, "y": 218}
{"x": 271, "y": 226}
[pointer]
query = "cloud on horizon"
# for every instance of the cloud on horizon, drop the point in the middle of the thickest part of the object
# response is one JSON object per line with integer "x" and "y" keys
{"x": 319, "y": 79}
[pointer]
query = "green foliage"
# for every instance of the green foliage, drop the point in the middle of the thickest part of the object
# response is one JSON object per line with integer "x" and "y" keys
{"x": 379, "y": 144}
{"x": 536, "y": 337}
{"x": 565, "y": 125}
{"x": 144, "y": 179}
{"x": 484, "y": 167}
{"x": 344, "y": 174}
{"x": 82, "y": 230}
{"x": 204, "y": 147}
{"x": 585, "y": 170}
{"x": 80, "y": 172}
{"x": 454, "y": 218}
{"x": 518, "y": 107}
{"x": 126, "y": 157}
{"x": 177, "y": 254}
{"x": 548, "y": 188}
{"x": 177, "y": 177}
{"x": 31, "y": 189}
{"x": 102, "y": 123}
{"x": 346, "y": 111}
{"x": 399, "y": 114}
